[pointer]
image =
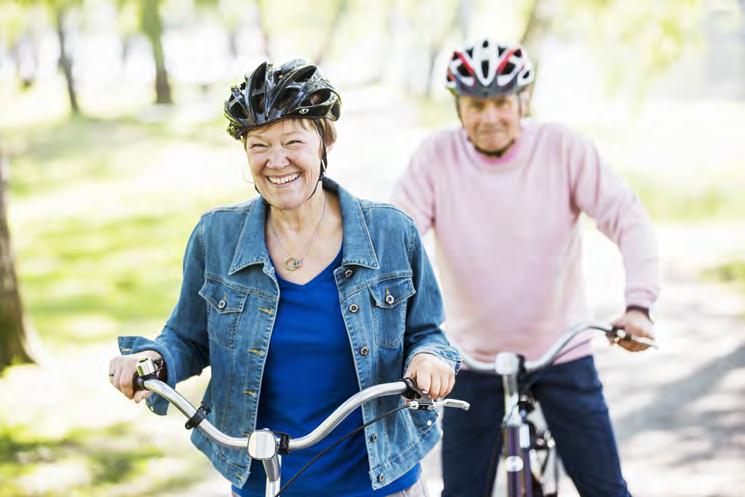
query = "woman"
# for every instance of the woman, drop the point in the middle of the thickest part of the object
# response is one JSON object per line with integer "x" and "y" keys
{"x": 300, "y": 298}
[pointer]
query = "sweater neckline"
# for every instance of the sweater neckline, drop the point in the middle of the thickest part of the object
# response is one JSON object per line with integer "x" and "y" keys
{"x": 507, "y": 162}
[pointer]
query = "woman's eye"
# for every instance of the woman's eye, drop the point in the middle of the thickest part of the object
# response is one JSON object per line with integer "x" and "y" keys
{"x": 294, "y": 142}
{"x": 257, "y": 146}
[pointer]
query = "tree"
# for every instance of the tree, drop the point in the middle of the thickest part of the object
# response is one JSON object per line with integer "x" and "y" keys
{"x": 16, "y": 31}
{"x": 60, "y": 11}
{"x": 13, "y": 337}
{"x": 151, "y": 24}
{"x": 339, "y": 8}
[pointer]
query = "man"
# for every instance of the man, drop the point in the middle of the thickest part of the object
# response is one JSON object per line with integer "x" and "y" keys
{"x": 504, "y": 195}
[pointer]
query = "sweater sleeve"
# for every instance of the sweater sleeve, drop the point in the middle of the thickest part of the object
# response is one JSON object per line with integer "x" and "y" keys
{"x": 414, "y": 192}
{"x": 620, "y": 215}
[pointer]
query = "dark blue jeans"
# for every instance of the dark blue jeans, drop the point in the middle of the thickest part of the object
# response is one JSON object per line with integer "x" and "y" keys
{"x": 571, "y": 397}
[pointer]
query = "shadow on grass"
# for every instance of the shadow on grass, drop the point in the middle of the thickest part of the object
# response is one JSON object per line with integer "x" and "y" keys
{"x": 109, "y": 457}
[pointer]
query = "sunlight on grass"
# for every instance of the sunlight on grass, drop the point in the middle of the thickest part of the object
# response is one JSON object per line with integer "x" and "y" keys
{"x": 730, "y": 272}
{"x": 85, "y": 463}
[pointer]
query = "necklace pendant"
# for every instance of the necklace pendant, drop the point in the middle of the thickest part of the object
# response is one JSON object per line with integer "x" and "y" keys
{"x": 293, "y": 264}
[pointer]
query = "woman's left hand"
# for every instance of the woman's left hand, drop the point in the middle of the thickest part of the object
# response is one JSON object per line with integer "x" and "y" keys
{"x": 432, "y": 375}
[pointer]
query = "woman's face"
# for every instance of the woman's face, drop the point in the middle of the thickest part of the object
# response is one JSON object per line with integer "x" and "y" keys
{"x": 285, "y": 161}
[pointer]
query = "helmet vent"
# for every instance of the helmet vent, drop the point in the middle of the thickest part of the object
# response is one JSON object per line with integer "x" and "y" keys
{"x": 257, "y": 102}
{"x": 462, "y": 71}
{"x": 508, "y": 68}
{"x": 287, "y": 97}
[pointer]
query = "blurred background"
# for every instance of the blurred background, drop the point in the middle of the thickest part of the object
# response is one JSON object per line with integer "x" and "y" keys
{"x": 112, "y": 143}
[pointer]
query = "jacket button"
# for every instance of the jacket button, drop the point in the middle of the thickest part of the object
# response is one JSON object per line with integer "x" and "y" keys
{"x": 381, "y": 478}
{"x": 348, "y": 273}
{"x": 221, "y": 304}
{"x": 389, "y": 299}
{"x": 373, "y": 437}
{"x": 354, "y": 308}
{"x": 364, "y": 351}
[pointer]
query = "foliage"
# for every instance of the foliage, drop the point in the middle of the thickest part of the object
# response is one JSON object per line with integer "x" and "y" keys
{"x": 634, "y": 41}
{"x": 729, "y": 272}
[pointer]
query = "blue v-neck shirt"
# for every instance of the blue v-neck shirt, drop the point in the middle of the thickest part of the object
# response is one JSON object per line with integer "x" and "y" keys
{"x": 309, "y": 372}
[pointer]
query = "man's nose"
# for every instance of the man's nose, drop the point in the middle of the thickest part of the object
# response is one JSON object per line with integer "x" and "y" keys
{"x": 490, "y": 113}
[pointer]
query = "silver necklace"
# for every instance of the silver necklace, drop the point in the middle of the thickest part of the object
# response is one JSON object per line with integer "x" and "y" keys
{"x": 294, "y": 263}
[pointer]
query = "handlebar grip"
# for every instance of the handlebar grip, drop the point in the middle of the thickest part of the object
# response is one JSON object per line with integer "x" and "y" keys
{"x": 138, "y": 382}
{"x": 148, "y": 369}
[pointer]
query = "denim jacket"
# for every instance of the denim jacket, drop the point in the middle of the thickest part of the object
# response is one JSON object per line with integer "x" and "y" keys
{"x": 224, "y": 317}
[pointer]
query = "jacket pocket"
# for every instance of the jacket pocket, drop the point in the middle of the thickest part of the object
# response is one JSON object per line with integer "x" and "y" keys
{"x": 225, "y": 305}
{"x": 389, "y": 310}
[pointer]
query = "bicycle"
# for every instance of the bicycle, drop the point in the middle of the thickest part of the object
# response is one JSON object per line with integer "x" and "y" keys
{"x": 529, "y": 452}
{"x": 268, "y": 446}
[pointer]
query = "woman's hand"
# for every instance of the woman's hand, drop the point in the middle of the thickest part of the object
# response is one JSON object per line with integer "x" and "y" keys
{"x": 433, "y": 375}
{"x": 122, "y": 370}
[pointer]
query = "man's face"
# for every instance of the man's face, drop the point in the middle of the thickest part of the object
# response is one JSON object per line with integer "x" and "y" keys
{"x": 492, "y": 124}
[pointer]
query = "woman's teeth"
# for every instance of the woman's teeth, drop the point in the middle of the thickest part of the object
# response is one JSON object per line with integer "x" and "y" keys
{"x": 281, "y": 180}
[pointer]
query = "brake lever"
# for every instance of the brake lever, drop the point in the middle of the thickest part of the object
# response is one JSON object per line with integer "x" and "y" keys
{"x": 620, "y": 335}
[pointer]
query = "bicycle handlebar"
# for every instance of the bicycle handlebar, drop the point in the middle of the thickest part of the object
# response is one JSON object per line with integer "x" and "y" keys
{"x": 406, "y": 387}
{"x": 508, "y": 361}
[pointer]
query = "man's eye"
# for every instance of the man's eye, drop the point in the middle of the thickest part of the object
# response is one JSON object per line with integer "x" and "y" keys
{"x": 294, "y": 142}
{"x": 257, "y": 146}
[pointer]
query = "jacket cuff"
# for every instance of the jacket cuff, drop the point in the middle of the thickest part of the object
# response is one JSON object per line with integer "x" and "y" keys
{"x": 448, "y": 354}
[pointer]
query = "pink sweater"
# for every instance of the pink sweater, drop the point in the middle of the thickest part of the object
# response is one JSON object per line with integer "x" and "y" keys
{"x": 509, "y": 247}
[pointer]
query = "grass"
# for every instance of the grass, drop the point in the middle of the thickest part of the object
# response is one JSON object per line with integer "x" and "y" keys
{"x": 99, "y": 226}
{"x": 730, "y": 272}
{"x": 82, "y": 463}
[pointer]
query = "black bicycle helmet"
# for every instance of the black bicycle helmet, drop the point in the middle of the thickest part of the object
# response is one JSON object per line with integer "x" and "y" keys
{"x": 488, "y": 69}
{"x": 271, "y": 93}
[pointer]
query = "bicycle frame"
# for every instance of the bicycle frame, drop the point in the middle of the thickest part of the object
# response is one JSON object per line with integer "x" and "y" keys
{"x": 516, "y": 440}
{"x": 267, "y": 446}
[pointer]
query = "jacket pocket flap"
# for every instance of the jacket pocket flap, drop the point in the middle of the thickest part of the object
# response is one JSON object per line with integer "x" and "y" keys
{"x": 389, "y": 293}
{"x": 223, "y": 298}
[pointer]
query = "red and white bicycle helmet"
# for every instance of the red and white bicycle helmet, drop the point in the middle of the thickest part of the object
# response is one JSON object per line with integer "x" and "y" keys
{"x": 487, "y": 69}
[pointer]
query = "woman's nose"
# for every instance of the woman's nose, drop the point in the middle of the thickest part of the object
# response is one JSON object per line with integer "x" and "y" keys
{"x": 277, "y": 159}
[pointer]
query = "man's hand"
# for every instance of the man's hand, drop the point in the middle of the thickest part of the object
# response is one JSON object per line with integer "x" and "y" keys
{"x": 432, "y": 375}
{"x": 636, "y": 323}
{"x": 123, "y": 368}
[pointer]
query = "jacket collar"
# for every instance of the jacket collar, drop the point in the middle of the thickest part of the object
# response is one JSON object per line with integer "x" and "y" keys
{"x": 357, "y": 246}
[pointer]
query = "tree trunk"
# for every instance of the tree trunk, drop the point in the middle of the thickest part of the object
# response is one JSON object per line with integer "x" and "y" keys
{"x": 341, "y": 8}
{"x": 437, "y": 43}
{"x": 65, "y": 62}
{"x": 152, "y": 26}
{"x": 13, "y": 346}
{"x": 465, "y": 12}
{"x": 263, "y": 29}
{"x": 536, "y": 29}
